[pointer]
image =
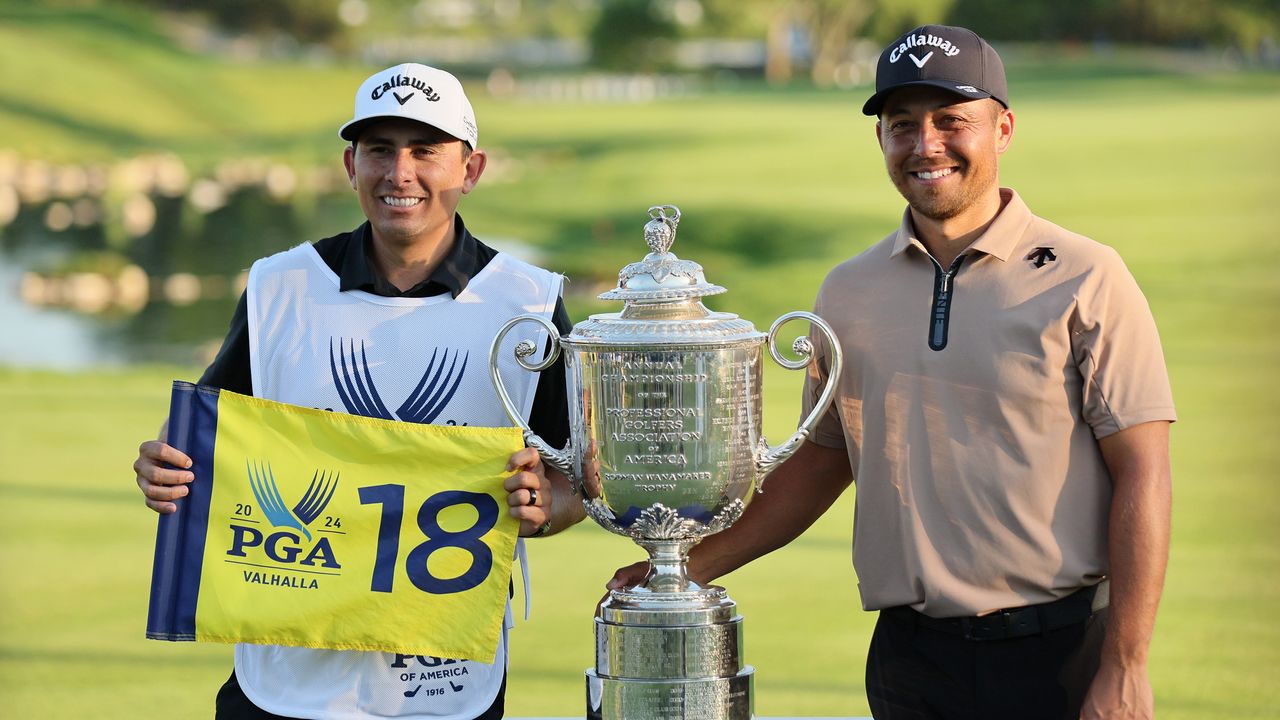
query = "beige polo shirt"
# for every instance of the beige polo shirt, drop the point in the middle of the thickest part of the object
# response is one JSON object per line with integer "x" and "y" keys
{"x": 971, "y": 412}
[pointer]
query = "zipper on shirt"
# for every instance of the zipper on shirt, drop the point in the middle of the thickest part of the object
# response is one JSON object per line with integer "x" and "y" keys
{"x": 943, "y": 289}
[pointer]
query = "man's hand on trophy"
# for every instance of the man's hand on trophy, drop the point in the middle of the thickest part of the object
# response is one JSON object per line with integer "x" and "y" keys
{"x": 624, "y": 578}
{"x": 529, "y": 493}
{"x": 629, "y": 576}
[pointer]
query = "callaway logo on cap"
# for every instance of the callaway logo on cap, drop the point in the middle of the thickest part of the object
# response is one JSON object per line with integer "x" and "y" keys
{"x": 414, "y": 92}
{"x": 951, "y": 58}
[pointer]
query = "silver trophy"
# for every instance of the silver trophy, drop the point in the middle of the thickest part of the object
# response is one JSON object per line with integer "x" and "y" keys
{"x": 665, "y": 447}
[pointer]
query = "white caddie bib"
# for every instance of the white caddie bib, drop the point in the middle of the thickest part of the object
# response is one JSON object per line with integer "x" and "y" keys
{"x": 422, "y": 360}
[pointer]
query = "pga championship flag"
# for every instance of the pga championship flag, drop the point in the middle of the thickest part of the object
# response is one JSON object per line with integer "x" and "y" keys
{"x": 324, "y": 530}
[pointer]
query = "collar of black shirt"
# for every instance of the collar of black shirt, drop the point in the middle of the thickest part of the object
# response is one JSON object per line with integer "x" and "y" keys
{"x": 466, "y": 258}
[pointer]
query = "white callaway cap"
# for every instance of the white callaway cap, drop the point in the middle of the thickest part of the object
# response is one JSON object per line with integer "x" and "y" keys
{"x": 414, "y": 92}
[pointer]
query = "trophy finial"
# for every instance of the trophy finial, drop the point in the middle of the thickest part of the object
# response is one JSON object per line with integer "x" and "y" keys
{"x": 660, "y": 232}
{"x": 660, "y": 277}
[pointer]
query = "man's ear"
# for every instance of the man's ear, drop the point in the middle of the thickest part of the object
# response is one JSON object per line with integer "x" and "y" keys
{"x": 349, "y": 162}
{"x": 476, "y": 164}
{"x": 1004, "y": 130}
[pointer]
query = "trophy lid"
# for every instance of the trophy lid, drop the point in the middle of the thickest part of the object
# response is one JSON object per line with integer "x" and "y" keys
{"x": 661, "y": 276}
{"x": 662, "y": 296}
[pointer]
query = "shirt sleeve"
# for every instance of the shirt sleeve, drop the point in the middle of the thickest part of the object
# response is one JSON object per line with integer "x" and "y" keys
{"x": 549, "y": 417}
{"x": 1117, "y": 350}
{"x": 230, "y": 368}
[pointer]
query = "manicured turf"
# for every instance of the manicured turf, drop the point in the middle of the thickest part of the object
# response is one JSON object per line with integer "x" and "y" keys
{"x": 1176, "y": 171}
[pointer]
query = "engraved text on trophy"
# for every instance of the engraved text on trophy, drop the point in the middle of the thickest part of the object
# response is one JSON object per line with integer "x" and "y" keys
{"x": 671, "y": 429}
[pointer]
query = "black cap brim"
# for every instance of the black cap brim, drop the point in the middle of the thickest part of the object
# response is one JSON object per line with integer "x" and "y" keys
{"x": 875, "y": 104}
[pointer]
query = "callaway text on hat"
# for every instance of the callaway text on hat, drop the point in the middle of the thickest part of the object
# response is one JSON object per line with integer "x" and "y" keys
{"x": 402, "y": 81}
{"x": 912, "y": 41}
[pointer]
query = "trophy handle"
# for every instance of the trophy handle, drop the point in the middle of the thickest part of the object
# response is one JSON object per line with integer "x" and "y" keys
{"x": 768, "y": 458}
{"x": 561, "y": 460}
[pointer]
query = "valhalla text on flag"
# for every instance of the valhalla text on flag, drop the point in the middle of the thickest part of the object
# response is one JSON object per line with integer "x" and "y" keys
{"x": 318, "y": 529}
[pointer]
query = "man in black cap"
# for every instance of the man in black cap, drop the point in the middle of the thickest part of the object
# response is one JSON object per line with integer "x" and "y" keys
{"x": 1004, "y": 408}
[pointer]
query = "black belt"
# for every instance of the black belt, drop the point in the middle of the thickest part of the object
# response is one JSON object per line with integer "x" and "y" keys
{"x": 1006, "y": 624}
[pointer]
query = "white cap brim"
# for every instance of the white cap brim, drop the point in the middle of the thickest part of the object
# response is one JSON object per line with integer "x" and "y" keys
{"x": 414, "y": 92}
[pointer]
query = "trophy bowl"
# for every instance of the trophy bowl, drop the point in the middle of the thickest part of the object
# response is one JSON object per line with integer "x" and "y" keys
{"x": 665, "y": 447}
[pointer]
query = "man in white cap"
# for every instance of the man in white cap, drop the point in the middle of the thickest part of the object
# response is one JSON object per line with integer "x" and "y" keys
{"x": 1004, "y": 409}
{"x": 362, "y": 320}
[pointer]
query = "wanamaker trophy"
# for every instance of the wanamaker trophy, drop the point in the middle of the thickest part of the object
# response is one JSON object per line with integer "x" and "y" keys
{"x": 665, "y": 446}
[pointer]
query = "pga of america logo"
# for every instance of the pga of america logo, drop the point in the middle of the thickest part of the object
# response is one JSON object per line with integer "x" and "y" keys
{"x": 289, "y": 544}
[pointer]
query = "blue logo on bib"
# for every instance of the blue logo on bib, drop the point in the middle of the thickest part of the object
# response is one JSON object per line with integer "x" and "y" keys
{"x": 358, "y": 393}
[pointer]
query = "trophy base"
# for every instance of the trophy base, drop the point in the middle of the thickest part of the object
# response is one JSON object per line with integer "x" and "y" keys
{"x": 670, "y": 656}
{"x": 672, "y": 699}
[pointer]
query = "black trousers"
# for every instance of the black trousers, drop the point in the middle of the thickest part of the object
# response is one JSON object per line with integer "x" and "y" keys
{"x": 233, "y": 704}
{"x": 919, "y": 673}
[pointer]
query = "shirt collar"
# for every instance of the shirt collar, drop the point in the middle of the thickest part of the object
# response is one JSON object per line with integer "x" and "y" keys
{"x": 999, "y": 239}
{"x": 359, "y": 272}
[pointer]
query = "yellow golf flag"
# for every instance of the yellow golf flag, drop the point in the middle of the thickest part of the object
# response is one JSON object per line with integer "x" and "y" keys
{"x": 319, "y": 529}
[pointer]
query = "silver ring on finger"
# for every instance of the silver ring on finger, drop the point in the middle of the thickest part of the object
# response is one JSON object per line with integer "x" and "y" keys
{"x": 533, "y": 498}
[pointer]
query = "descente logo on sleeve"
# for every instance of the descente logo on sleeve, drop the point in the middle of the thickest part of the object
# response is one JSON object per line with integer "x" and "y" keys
{"x": 921, "y": 41}
{"x": 400, "y": 81}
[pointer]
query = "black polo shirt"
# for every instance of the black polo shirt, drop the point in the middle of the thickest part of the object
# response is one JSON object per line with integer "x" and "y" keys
{"x": 349, "y": 256}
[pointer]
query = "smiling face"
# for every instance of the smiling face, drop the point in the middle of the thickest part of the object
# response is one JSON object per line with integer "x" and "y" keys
{"x": 942, "y": 152}
{"x": 409, "y": 178}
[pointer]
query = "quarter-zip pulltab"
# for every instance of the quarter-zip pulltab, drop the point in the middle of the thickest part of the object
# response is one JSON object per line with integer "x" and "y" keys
{"x": 943, "y": 289}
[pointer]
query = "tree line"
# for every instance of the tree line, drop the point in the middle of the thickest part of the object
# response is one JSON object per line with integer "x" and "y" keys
{"x": 636, "y": 35}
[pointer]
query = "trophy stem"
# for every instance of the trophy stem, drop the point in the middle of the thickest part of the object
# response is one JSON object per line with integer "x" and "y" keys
{"x": 668, "y": 561}
{"x": 669, "y": 649}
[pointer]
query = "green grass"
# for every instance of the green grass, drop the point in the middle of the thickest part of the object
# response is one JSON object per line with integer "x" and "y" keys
{"x": 1174, "y": 170}
{"x": 98, "y": 84}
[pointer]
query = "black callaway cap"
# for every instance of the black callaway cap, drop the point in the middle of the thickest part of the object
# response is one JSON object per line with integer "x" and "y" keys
{"x": 951, "y": 58}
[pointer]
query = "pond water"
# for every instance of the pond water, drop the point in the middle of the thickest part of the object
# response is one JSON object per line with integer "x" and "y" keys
{"x": 79, "y": 296}
{"x": 82, "y": 296}
{"x": 41, "y": 337}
